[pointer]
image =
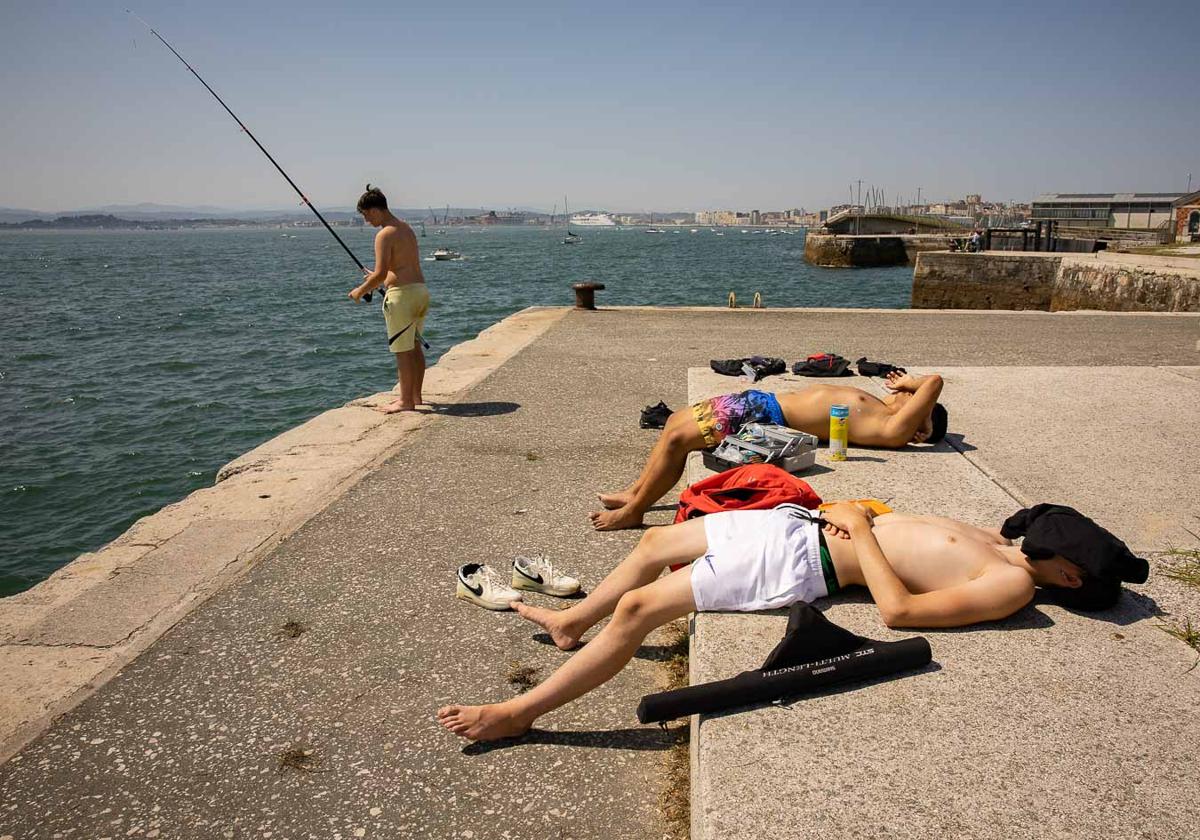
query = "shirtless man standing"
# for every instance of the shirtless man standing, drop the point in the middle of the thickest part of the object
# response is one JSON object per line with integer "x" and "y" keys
{"x": 922, "y": 571}
{"x": 911, "y": 414}
{"x": 405, "y": 299}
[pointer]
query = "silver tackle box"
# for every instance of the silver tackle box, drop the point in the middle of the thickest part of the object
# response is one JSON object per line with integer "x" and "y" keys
{"x": 764, "y": 443}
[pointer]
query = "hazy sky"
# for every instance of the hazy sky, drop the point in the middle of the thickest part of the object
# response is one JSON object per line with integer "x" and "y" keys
{"x": 625, "y": 106}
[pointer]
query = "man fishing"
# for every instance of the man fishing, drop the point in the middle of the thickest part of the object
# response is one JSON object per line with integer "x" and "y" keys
{"x": 910, "y": 414}
{"x": 405, "y": 299}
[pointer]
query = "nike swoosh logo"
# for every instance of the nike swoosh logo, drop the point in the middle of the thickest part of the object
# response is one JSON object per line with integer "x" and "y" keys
{"x": 534, "y": 578}
{"x": 478, "y": 590}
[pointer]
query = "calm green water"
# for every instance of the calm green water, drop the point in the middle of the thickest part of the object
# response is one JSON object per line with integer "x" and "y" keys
{"x": 134, "y": 364}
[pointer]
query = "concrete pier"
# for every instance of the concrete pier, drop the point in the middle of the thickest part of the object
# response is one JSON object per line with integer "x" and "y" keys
{"x": 324, "y": 620}
{"x": 849, "y": 251}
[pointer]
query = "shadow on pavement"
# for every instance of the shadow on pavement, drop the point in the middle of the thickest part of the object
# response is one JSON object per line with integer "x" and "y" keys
{"x": 639, "y": 739}
{"x": 477, "y": 409}
{"x": 650, "y": 653}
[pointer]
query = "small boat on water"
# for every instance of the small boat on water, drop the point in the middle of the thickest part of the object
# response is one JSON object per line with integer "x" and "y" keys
{"x": 570, "y": 238}
{"x": 653, "y": 230}
{"x": 446, "y": 254}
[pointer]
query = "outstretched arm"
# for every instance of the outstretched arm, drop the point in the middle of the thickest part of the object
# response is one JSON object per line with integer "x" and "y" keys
{"x": 991, "y": 596}
{"x": 904, "y": 423}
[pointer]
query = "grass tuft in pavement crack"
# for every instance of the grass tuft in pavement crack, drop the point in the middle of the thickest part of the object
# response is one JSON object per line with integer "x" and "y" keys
{"x": 1186, "y": 632}
{"x": 299, "y": 758}
{"x": 522, "y": 677}
{"x": 1185, "y": 566}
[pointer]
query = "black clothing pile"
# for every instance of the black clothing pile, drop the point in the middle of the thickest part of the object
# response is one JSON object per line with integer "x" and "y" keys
{"x": 655, "y": 416}
{"x": 1106, "y": 561}
{"x": 814, "y": 654}
{"x": 869, "y": 368}
{"x": 760, "y": 366}
{"x": 823, "y": 364}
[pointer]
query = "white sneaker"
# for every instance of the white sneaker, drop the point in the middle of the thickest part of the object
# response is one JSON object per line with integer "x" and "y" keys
{"x": 537, "y": 575}
{"x": 482, "y": 585}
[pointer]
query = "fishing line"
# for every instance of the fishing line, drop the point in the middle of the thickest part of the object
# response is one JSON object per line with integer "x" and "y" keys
{"x": 250, "y": 134}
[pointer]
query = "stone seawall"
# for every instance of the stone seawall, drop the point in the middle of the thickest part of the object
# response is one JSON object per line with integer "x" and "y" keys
{"x": 1126, "y": 287}
{"x": 1055, "y": 282}
{"x": 835, "y": 251}
{"x": 996, "y": 280}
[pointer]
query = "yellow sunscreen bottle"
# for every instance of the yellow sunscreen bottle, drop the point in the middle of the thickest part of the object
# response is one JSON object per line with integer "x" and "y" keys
{"x": 839, "y": 432}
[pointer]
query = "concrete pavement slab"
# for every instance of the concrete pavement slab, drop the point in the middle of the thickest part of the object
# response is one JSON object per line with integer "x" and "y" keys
{"x": 1047, "y": 724}
{"x": 1115, "y": 442}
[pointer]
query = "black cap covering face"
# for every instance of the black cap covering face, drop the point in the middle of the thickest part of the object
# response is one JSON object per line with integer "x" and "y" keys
{"x": 1106, "y": 561}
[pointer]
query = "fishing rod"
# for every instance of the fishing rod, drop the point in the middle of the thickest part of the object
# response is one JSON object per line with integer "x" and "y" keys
{"x": 250, "y": 134}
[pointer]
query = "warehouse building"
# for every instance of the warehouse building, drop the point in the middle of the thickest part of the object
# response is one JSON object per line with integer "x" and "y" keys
{"x": 1119, "y": 211}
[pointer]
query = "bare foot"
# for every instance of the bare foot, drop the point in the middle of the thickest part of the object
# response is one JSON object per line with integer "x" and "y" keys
{"x": 615, "y": 520}
{"x": 550, "y": 621}
{"x": 395, "y": 407}
{"x": 612, "y": 501}
{"x": 482, "y": 723}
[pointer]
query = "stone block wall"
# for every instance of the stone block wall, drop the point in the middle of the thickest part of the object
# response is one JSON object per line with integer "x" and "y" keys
{"x": 1091, "y": 284}
{"x": 948, "y": 280}
{"x": 833, "y": 251}
{"x": 849, "y": 251}
{"x": 1053, "y": 282}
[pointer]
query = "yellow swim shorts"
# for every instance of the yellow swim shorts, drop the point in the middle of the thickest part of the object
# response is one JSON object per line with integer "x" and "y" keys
{"x": 404, "y": 309}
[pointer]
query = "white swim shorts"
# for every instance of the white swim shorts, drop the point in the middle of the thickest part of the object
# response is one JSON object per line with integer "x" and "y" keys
{"x": 758, "y": 560}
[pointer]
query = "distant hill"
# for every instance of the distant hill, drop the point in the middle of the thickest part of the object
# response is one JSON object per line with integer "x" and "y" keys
{"x": 151, "y": 212}
{"x": 92, "y": 221}
{"x": 16, "y": 214}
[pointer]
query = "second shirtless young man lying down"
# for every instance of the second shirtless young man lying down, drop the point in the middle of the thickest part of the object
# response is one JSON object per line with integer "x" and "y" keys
{"x": 922, "y": 571}
{"x": 911, "y": 414}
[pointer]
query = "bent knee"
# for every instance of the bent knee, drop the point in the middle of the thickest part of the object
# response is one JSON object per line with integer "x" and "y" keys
{"x": 683, "y": 438}
{"x": 635, "y": 607}
{"x": 651, "y": 540}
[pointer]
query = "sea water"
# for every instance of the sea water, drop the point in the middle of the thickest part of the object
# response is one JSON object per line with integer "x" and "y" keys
{"x": 134, "y": 364}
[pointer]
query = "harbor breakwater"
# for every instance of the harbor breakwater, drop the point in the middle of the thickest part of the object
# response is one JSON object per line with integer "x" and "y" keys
{"x": 1056, "y": 282}
{"x": 829, "y": 250}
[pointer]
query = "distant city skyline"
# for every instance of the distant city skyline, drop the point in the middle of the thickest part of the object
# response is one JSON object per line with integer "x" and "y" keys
{"x": 621, "y": 107}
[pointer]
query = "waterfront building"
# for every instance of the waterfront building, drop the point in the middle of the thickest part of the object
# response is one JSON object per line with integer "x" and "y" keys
{"x": 1123, "y": 211}
{"x": 1187, "y": 218}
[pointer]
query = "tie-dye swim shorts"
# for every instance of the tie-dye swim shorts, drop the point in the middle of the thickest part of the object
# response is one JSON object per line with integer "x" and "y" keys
{"x": 725, "y": 415}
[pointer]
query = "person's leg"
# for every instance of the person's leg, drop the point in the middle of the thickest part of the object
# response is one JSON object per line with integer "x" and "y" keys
{"x": 405, "y": 372}
{"x": 637, "y": 613}
{"x": 418, "y": 372}
{"x": 681, "y": 436}
{"x": 613, "y": 501}
{"x": 659, "y": 548}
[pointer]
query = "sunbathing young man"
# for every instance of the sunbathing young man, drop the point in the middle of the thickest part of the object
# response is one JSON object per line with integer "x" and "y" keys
{"x": 922, "y": 571}
{"x": 911, "y": 414}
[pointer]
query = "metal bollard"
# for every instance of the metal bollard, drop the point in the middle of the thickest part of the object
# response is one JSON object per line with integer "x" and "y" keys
{"x": 758, "y": 304}
{"x": 585, "y": 295}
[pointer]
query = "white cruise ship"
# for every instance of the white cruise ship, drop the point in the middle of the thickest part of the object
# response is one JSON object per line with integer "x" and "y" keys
{"x": 593, "y": 220}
